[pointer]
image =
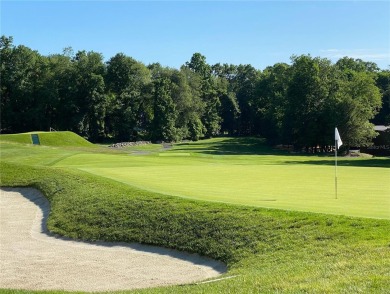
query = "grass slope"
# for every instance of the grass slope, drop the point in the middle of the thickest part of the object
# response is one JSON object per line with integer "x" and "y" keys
{"x": 267, "y": 250}
{"x": 61, "y": 139}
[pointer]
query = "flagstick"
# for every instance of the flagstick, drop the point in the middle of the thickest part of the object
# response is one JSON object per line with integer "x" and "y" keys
{"x": 335, "y": 168}
{"x": 337, "y": 143}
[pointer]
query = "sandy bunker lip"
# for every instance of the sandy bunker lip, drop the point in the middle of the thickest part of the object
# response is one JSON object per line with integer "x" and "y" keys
{"x": 32, "y": 259}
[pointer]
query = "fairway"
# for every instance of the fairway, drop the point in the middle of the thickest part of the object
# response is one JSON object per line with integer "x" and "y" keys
{"x": 302, "y": 183}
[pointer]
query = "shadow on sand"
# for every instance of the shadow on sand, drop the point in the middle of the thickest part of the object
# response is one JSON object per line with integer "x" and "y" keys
{"x": 36, "y": 197}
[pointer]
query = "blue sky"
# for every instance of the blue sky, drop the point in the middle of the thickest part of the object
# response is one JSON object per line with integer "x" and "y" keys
{"x": 260, "y": 33}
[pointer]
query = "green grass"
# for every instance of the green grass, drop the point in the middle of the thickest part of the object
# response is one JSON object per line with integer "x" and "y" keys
{"x": 304, "y": 183}
{"x": 268, "y": 250}
{"x": 17, "y": 138}
{"x": 361, "y": 191}
{"x": 60, "y": 139}
{"x": 143, "y": 149}
{"x": 203, "y": 171}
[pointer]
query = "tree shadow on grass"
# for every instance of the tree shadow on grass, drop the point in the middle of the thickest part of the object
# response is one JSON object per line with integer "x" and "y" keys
{"x": 259, "y": 146}
{"x": 355, "y": 162}
{"x": 230, "y": 146}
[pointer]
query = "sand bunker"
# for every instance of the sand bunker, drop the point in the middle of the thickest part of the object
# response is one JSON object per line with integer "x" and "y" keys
{"x": 30, "y": 258}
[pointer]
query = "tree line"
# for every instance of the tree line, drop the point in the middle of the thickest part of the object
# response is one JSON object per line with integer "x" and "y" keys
{"x": 123, "y": 99}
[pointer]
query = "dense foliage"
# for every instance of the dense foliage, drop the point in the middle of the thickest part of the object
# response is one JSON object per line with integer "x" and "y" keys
{"x": 297, "y": 104}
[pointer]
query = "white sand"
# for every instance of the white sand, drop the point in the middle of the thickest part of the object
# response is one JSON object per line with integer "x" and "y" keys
{"x": 30, "y": 258}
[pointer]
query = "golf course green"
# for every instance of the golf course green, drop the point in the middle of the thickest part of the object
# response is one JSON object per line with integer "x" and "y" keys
{"x": 273, "y": 217}
{"x": 302, "y": 183}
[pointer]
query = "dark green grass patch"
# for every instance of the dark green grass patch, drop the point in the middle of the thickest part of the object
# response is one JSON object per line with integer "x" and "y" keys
{"x": 228, "y": 146}
{"x": 266, "y": 250}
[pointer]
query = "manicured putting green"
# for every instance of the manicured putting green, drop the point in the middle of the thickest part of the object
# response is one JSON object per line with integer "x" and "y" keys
{"x": 233, "y": 170}
{"x": 273, "y": 181}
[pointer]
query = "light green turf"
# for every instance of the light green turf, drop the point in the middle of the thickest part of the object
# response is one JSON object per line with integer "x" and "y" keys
{"x": 207, "y": 170}
{"x": 49, "y": 139}
{"x": 251, "y": 180}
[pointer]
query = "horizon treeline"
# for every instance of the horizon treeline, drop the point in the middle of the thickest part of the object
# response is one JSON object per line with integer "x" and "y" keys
{"x": 125, "y": 100}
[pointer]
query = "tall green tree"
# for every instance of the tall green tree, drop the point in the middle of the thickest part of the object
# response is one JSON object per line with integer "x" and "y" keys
{"x": 60, "y": 89}
{"x": 229, "y": 110}
{"x": 245, "y": 86}
{"x": 211, "y": 118}
{"x": 360, "y": 101}
{"x": 22, "y": 72}
{"x": 164, "y": 112}
{"x": 186, "y": 94}
{"x": 6, "y": 49}
{"x": 383, "y": 83}
{"x": 272, "y": 101}
{"x": 190, "y": 103}
{"x": 91, "y": 102}
{"x": 313, "y": 84}
{"x": 130, "y": 103}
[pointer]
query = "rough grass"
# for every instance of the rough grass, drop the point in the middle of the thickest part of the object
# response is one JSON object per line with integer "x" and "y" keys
{"x": 266, "y": 250}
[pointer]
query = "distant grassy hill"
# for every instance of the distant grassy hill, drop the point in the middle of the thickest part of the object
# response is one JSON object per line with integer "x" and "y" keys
{"x": 49, "y": 139}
